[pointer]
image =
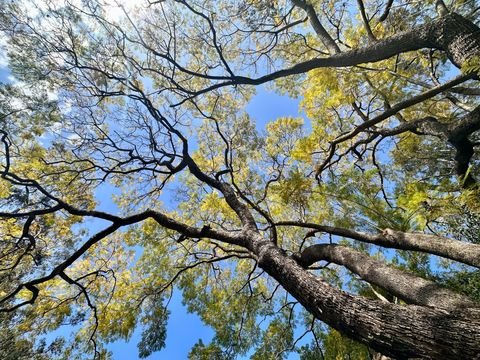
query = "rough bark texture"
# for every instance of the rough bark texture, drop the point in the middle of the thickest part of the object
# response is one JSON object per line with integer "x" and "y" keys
{"x": 454, "y": 34}
{"x": 406, "y": 286}
{"x": 459, "y": 37}
{"x": 400, "y": 331}
{"x": 436, "y": 245}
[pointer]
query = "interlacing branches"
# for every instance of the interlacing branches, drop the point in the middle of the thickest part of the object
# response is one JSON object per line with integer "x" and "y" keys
{"x": 155, "y": 103}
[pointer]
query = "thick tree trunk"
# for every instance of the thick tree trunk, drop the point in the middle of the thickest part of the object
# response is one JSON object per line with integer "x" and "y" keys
{"x": 400, "y": 331}
{"x": 408, "y": 331}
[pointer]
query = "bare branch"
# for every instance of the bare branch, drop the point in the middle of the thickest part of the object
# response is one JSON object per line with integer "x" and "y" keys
{"x": 466, "y": 253}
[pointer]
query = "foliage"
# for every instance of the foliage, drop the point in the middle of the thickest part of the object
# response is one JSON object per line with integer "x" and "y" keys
{"x": 133, "y": 167}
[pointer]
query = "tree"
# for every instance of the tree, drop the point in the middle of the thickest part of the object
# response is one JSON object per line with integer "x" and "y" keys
{"x": 150, "y": 101}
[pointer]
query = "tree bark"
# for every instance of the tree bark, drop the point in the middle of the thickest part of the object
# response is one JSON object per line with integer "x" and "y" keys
{"x": 457, "y": 36}
{"x": 464, "y": 252}
{"x": 317, "y": 26}
{"x": 409, "y": 287}
{"x": 402, "y": 332}
{"x": 454, "y": 34}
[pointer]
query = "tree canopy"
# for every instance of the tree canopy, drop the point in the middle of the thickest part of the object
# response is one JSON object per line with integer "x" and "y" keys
{"x": 348, "y": 231}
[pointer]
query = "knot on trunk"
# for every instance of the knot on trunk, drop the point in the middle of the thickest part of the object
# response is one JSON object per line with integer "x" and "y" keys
{"x": 389, "y": 234}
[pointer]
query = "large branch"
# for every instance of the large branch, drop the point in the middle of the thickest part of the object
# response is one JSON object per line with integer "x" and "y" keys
{"x": 463, "y": 252}
{"x": 401, "y": 331}
{"x": 161, "y": 219}
{"x": 454, "y": 34}
{"x": 406, "y": 286}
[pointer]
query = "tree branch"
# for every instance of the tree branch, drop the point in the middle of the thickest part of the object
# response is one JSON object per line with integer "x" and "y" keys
{"x": 443, "y": 33}
{"x": 406, "y": 286}
{"x": 366, "y": 23}
{"x": 318, "y": 27}
{"x": 463, "y": 252}
{"x": 388, "y": 113}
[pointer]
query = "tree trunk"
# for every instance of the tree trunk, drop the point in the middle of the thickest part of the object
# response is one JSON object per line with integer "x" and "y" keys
{"x": 402, "y": 332}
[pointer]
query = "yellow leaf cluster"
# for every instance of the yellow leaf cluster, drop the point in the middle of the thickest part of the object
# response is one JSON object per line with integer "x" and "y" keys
{"x": 326, "y": 90}
{"x": 213, "y": 203}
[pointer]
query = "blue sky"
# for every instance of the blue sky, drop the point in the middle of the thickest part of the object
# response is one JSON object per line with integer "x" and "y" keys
{"x": 183, "y": 332}
{"x": 184, "y": 329}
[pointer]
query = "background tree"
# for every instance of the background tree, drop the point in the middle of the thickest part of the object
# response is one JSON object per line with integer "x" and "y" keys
{"x": 149, "y": 102}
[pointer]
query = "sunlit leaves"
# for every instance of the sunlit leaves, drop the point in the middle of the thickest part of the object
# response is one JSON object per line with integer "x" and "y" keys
{"x": 338, "y": 346}
{"x": 283, "y": 134}
{"x": 200, "y": 351}
{"x": 130, "y": 101}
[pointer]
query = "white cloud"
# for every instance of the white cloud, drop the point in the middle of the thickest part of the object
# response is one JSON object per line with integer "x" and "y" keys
{"x": 115, "y": 9}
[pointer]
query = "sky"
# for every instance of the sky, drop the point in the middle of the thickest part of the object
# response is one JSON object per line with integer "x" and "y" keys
{"x": 184, "y": 329}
